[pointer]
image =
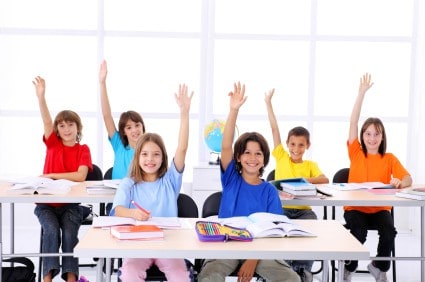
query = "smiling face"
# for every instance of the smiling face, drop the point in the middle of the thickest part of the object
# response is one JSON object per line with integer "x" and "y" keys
{"x": 150, "y": 159}
{"x": 372, "y": 139}
{"x": 252, "y": 159}
{"x": 297, "y": 145}
{"x": 133, "y": 130}
{"x": 68, "y": 131}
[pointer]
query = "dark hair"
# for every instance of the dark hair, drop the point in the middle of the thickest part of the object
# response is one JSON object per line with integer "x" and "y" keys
{"x": 68, "y": 116}
{"x": 136, "y": 171}
{"x": 240, "y": 147}
{"x": 125, "y": 116}
{"x": 379, "y": 126}
{"x": 299, "y": 131}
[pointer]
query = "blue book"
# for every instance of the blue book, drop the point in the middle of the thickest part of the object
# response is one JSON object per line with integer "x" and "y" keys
{"x": 297, "y": 184}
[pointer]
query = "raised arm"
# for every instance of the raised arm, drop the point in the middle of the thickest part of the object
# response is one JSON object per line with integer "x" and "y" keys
{"x": 40, "y": 91}
{"x": 237, "y": 98}
{"x": 365, "y": 84}
{"x": 104, "y": 100}
{"x": 272, "y": 118}
{"x": 183, "y": 101}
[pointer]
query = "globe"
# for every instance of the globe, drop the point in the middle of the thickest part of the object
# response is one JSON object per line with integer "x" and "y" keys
{"x": 213, "y": 135}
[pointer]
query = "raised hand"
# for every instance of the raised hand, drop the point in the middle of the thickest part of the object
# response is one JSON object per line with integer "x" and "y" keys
{"x": 268, "y": 96}
{"x": 365, "y": 83}
{"x": 237, "y": 97}
{"x": 40, "y": 86}
{"x": 183, "y": 99}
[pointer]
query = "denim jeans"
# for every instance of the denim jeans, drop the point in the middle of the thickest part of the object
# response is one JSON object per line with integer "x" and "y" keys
{"x": 59, "y": 224}
{"x": 300, "y": 214}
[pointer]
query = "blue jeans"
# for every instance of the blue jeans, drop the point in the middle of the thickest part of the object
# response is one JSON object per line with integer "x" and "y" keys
{"x": 300, "y": 214}
{"x": 67, "y": 218}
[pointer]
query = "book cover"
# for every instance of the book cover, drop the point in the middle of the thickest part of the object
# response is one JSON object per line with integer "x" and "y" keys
{"x": 297, "y": 184}
{"x": 412, "y": 193}
{"x": 132, "y": 232}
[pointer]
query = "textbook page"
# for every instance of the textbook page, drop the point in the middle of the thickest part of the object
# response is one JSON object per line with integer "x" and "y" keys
{"x": 41, "y": 185}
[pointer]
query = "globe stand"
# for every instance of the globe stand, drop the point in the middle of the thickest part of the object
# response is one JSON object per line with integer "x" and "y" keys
{"x": 214, "y": 158}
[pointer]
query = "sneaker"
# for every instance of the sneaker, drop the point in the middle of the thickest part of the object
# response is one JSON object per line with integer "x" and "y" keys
{"x": 379, "y": 275}
{"x": 347, "y": 275}
{"x": 305, "y": 275}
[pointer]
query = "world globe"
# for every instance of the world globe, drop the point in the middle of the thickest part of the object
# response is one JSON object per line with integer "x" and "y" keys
{"x": 213, "y": 135}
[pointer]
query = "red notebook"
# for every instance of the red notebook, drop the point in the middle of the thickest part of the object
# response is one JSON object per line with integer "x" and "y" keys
{"x": 141, "y": 232}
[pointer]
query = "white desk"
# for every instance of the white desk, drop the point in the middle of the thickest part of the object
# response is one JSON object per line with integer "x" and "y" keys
{"x": 77, "y": 194}
{"x": 333, "y": 242}
{"x": 364, "y": 197}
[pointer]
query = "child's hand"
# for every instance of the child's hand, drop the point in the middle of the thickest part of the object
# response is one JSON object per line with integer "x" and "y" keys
{"x": 183, "y": 100}
{"x": 138, "y": 214}
{"x": 395, "y": 182}
{"x": 237, "y": 97}
{"x": 365, "y": 83}
{"x": 268, "y": 96}
{"x": 40, "y": 86}
{"x": 103, "y": 71}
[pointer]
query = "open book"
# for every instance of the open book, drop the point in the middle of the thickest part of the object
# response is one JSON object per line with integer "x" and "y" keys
{"x": 103, "y": 187}
{"x": 162, "y": 222}
{"x": 411, "y": 193}
{"x": 40, "y": 185}
{"x": 363, "y": 185}
{"x": 263, "y": 224}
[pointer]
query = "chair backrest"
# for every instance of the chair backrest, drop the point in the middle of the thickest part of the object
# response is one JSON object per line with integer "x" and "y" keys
{"x": 270, "y": 176}
{"x": 341, "y": 176}
{"x": 108, "y": 173}
{"x": 186, "y": 206}
{"x": 96, "y": 174}
{"x": 212, "y": 204}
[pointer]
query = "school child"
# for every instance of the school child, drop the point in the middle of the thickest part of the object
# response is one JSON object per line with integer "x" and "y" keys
{"x": 123, "y": 140}
{"x": 155, "y": 187}
{"x": 241, "y": 170}
{"x": 65, "y": 158}
{"x": 369, "y": 161}
{"x": 290, "y": 164}
{"x": 130, "y": 128}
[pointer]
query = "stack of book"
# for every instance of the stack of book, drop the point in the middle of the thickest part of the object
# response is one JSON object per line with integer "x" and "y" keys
{"x": 411, "y": 193}
{"x": 298, "y": 187}
{"x": 137, "y": 232}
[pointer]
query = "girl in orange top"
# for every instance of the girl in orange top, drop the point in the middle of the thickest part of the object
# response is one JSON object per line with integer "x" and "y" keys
{"x": 370, "y": 162}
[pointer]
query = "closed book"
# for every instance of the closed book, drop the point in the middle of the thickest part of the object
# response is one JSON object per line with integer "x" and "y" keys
{"x": 411, "y": 193}
{"x": 299, "y": 192}
{"x": 297, "y": 184}
{"x": 144, "y": 232}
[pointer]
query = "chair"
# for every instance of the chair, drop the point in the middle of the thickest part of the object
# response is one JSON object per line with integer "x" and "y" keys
{"x": 87, "y": 210}
{"x": 104, "y": 210}
{"x": 341, "y": 176}
{"x": 212, "y": 204}
{"x": 108, "y": 173}
{"x": 186, "y": 208}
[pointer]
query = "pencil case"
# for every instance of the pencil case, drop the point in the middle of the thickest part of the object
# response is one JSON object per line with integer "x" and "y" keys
{"x": 209, "y": 231}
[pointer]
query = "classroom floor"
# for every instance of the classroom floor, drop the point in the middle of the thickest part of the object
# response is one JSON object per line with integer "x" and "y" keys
{"x": 407, "y": 271}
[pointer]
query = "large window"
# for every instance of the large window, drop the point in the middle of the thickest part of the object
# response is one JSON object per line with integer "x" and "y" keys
{"x": 312, "y": 52}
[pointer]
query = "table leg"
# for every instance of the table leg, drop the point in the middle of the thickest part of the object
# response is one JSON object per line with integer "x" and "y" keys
{"x": 422, "y": 243}
{"x": 325, "y": 271}
{"x": 99, "y": 270}
{"x": 341, "y": 270}
{"x": 108, "y": 269}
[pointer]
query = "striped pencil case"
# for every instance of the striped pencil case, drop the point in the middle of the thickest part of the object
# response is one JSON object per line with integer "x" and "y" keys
{"x": 209, "y": 231}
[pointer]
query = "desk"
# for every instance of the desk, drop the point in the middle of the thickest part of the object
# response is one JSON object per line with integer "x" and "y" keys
{"x": 364, "y": 197}
{"x": 77, "y": 194}
{"x": 333, "y": 242}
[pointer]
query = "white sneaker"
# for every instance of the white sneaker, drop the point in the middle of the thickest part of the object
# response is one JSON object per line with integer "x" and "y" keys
{"x": 347, "y": 275}
{"x": 379, "y": 275}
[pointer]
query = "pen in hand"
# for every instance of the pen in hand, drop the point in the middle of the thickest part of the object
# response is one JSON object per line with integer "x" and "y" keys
{"x": 140, "y": 208}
